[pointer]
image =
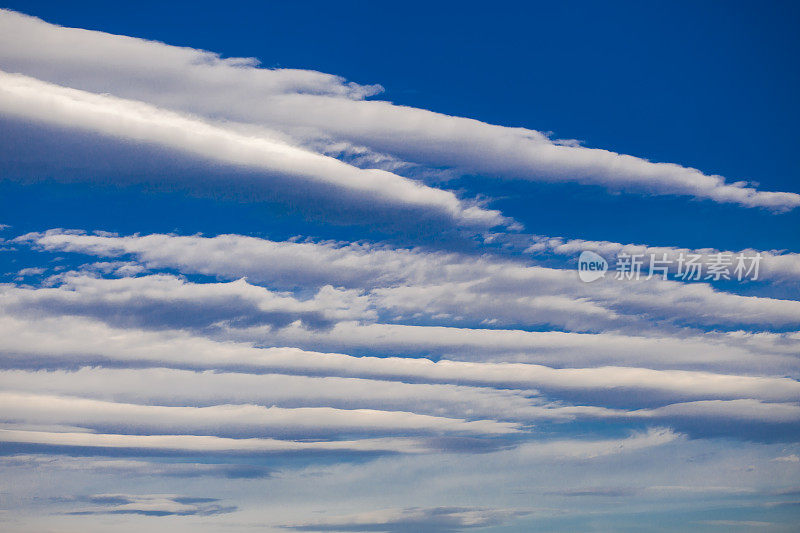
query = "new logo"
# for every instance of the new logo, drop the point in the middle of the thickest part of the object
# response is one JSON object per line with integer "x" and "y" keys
{"x": 591, "y": 266}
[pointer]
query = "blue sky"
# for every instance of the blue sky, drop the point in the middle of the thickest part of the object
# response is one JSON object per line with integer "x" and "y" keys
{"x": 334, "y": 288}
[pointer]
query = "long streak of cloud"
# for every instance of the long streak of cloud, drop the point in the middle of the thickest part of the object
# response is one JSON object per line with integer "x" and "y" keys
{"x": 31, "y": 99}
{"x": 304, "y": 102}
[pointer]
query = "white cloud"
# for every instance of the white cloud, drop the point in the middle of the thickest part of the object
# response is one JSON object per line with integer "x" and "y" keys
{"x": 441, "y": 362}
{"x": 170, "y": 300}
{"x": 166, "y": 386}
{"x": 736, "y": 523}
{"x": 51, "y": 51}
{"x": 69, "y": 339}
{"x": 344, "y": 399}
{"x": 712, "y": 351}
{"x": 773, "y": 265}
{"x": 534, "y": 295}
{"x": 242, "y": 419}
{"x": 700, "y": 472}
{"x": 575, "y": 449}
{"x": 414, "y": 282}
{"x": 207, "y": 443}
{"x": 317, "y": 106}
{"x": 342, "y": 319}
{"x": 32, "y": 99}
{"x": 746, "y": 409}
{"x": 32, "y": 271}
{"x": 291, "y": 263}
{"x": 128, "y": 467}
{"x": 429, "y": 520}
{"x": 151, "y": 505}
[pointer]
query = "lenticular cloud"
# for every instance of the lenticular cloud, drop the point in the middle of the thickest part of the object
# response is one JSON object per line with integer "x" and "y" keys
{"x": 315, "y": 108}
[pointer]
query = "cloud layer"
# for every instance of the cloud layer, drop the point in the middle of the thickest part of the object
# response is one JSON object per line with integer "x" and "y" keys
{"x": 450, "y": 375}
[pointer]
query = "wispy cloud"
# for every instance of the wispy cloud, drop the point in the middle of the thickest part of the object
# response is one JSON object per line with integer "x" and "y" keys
{"x": 736, "y": 523}
{"x": 152, "y": 505}
{"x": 132, "y": 467}
{"x": 431, "y": 520}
